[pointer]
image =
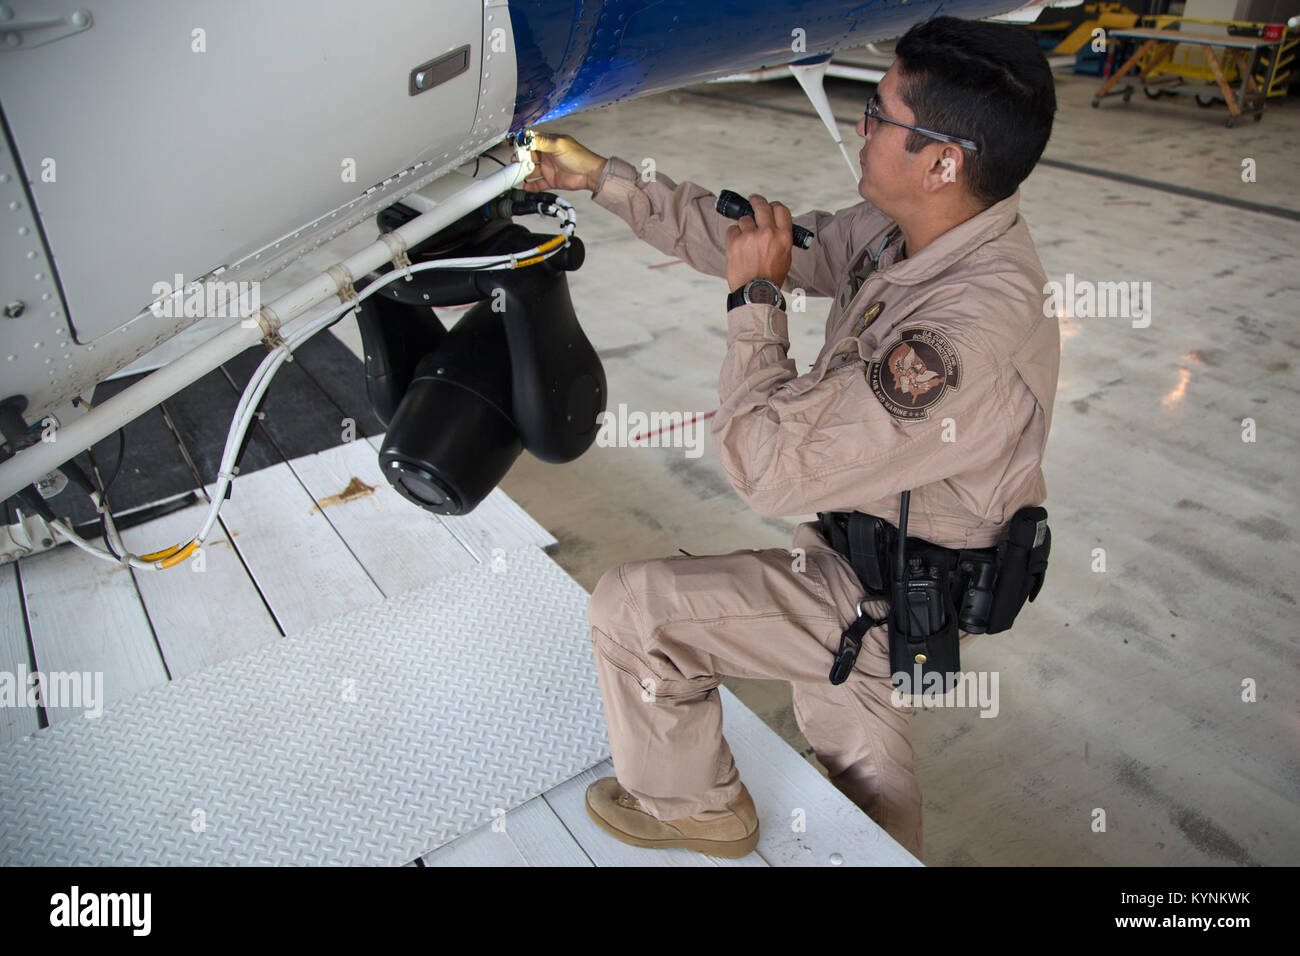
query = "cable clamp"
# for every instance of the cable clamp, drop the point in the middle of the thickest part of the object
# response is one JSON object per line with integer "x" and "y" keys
{"x": 343, "y": 282}
{"x": 397, "y": 246}
{"x": 270, "y": 323}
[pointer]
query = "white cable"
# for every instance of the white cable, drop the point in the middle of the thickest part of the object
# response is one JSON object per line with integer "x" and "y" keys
{"x": 63, "y": 528}
{"x": 261, "y": 378}
{"x": 114, "y": 538}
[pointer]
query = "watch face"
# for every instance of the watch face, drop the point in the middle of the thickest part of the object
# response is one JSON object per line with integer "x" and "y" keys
{"x": 762, "y": 292}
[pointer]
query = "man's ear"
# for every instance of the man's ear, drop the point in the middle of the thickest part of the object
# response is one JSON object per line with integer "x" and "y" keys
{"x": 947, "y": 167}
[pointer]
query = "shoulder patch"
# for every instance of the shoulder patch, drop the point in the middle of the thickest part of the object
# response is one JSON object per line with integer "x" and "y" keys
{"x": 917, "y": 371}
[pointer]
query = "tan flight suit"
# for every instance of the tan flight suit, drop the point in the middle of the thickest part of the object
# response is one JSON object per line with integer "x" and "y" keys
{"x": 946, "y": 391}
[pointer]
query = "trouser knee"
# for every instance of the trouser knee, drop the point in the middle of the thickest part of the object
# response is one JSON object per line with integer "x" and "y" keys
{"x": 617, "y": 603}
{"x": 609, "y": 600}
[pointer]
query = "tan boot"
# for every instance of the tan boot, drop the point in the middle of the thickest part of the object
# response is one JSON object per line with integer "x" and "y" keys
{"x": 730, "y": 833}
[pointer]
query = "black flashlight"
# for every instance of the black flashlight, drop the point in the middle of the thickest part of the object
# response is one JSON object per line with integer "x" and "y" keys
{"x": 733, "y": 206}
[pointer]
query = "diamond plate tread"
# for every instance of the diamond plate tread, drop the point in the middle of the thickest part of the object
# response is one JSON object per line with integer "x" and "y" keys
{"x": 474, "y": 693}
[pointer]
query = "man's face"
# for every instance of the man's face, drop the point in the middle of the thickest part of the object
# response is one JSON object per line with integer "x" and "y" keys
{"x": 891, "y": 175}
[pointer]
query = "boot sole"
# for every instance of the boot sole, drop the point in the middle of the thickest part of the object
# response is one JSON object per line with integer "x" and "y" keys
{"x": 728, "y": 849}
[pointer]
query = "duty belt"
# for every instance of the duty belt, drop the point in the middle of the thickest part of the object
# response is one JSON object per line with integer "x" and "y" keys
{"x": 933, "y": 590}
{"x": 867, "y": 542}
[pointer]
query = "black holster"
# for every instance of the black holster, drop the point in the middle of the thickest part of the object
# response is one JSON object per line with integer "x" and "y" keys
{"x": 1022, "y": 566}
{"x": 923, "y": 619}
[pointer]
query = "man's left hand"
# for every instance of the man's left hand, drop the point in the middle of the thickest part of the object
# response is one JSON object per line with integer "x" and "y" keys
{"x": 758, "y": 246}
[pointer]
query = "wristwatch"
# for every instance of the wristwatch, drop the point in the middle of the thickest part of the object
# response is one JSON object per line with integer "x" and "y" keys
{"x": 756, "y": 291}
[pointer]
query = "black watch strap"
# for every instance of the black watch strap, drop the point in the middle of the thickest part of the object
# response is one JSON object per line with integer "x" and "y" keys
{"x": 737, "y": 297}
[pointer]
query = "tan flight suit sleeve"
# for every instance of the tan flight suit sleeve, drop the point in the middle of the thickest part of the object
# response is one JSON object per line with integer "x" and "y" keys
{"x": 825, "y": 441}
{"x": 681, "y": 221}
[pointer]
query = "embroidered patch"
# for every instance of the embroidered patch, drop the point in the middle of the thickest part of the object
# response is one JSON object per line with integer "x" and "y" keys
{"x": 917, "y": 371}
{"x": 866, "y": 318}
{"x": 861, "y": 270}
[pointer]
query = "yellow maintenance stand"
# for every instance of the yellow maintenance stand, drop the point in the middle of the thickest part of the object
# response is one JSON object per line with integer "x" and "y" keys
{"x": 1255, "y": 56}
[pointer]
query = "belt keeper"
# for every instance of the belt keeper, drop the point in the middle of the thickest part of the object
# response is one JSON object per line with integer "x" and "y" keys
{"x": 343, "y": 280}
{"x": 397, "y": 246}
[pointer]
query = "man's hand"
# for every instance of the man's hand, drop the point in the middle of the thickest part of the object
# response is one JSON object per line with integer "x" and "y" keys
{"x": 563, "y": 163}
{"x": 758, "y": 246}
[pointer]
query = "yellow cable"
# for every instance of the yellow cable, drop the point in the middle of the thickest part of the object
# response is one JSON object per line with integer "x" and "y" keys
{"x": 176, "y": 559}
{"x": 164, "y": 553}
{"x": 544, "y": 248}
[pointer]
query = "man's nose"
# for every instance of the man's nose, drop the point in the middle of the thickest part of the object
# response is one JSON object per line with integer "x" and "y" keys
{"x": 862, "y": 126}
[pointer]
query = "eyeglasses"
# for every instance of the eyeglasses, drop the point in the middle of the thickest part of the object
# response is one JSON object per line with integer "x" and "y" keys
{"x": 873, "y": 113}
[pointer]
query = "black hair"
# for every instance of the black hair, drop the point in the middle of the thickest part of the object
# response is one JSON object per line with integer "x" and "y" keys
{"x": 986, "y": 82}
